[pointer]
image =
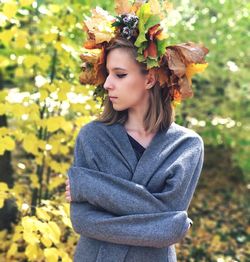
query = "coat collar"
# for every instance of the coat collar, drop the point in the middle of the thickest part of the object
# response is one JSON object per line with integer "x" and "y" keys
{"x": 153, "y": 149}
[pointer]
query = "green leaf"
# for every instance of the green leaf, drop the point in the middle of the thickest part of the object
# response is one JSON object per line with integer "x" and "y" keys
{"x": 152, "y": 20}
{"x": 152, "y": 63}
{"x": 143, "y": 14}
{"x": 161, "y": 46}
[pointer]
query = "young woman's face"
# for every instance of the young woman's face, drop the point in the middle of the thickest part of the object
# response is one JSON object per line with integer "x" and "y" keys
{"x": 125, "y": 81}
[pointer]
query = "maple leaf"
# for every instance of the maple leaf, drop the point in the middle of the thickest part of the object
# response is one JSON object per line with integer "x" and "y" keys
{"x": 175, "y": 63}
{"x": 99, "y": 27}
{"x": 162, "y": 74}
{"x": 190, "y": 52}
{"x": 93, "y": 67}
{"x": 185, "y": 87}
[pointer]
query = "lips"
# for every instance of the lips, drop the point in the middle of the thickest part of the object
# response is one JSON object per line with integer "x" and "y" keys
{"x": 112, "y": 97}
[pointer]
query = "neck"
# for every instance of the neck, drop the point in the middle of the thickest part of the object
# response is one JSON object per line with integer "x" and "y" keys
{"x": 135, "y": 122}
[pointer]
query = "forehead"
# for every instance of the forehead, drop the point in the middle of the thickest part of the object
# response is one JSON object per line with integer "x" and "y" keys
{"x": 122, "y": 58}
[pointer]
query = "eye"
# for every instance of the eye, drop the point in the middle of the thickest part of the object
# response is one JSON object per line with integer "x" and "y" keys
{"x": 121, "y": 75}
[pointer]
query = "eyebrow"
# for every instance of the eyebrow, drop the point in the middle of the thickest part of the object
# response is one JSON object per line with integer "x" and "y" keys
{"x": 118, "y": 68}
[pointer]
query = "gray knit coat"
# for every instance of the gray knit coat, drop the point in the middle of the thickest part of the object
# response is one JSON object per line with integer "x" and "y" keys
{"x": 129, "y": 210}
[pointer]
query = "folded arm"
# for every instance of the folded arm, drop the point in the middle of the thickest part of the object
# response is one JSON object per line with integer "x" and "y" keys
{"x": 153, "y": 230}
{"x": 124, "y": 197}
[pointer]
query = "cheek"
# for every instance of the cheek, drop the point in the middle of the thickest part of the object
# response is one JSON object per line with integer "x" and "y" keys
{"x": 136, "y": 84}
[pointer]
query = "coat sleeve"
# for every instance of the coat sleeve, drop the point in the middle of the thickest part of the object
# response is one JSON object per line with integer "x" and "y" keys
{"x": 124, "y": 197}
{"x": 153, "y": 230}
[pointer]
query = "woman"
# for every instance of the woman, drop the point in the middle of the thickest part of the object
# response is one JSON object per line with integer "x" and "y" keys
{"x": 135, "y": 170}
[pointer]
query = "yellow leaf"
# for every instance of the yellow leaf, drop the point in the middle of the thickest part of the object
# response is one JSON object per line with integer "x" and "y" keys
{"x": 50, "y": 87}
{"x": 65, "y": 86}
{"x": 30, "y": 144}
{"x": 2, "y": 109}
{"x": 1, "y": 202}
{"x": 55, "y": 232}
{"x": 31, "y": 237}
{"x": 48, "y": 38}
{"x": 65, "y": 257}
{"x": 3, "y": 187}
{"x": 62, "y": 95}
{"x": 12, "y": 251}
{"x": 26, "y": 2}
{"x": 43, "y": 94}
{"x": 45, "y": 62}
{"x": 6, "y": 36}
{"x": 42, "y": 214}
{"x": 55, "y": 147}
{"x": 19, "y": 72}
{"x": 56, "y": 181}
{"x": 67, "y": 221}
{"x": 46, "y": 241}
{"x": 41, "y": 144}
{"x": 58, "y": 46}
{"x": 34, "y": 181}
{"x": 4, "y": 131}
{"x": 55, "y": 8}
{"x": 194, "y": 69}
{"x": 17, "y": 236}
{"x": 67, "y": 127}
{"x": 51, "y": 254}
{"x": 30, "y": 60}
{"x": 8, "y": 143}
{"x": 28, "y": 223}
{"x": 3, "y": 234}
{"x": 31, "y": 251}
{"x": 10, "y": 9}
{"x": 21, "y": 40}
{"x": 54, "y": 123}
{"x": 64, "y": 149}
{"x": 3, "y": 93}
{"x": 39, "y": 159}
{"x": 33, "y": 112}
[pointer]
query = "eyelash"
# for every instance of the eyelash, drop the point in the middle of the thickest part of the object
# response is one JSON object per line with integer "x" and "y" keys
{"x": 121, "y": 75}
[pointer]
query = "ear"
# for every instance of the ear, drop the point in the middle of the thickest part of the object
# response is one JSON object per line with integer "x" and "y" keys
{"x": 150, "y": 79}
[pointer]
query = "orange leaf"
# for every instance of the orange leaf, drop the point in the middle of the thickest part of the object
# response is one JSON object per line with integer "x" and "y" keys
{"x": 152, "y": 31}
{"x": 193, "y": 69}
{"x": 152, "y": 50}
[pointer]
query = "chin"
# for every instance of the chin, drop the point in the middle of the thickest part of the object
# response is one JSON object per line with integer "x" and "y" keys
{"x": 119, "y": 108}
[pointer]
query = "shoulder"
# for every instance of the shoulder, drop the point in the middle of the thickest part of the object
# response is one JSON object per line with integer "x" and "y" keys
{"x": 186, "y": 136}
{"x": 92, "y": 130}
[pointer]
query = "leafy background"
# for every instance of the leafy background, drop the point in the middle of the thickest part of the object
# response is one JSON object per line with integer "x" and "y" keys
{"x": 43, "y": 106}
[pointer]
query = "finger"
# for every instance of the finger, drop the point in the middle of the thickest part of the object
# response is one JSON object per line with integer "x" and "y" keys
{"x": 68, "y": 199}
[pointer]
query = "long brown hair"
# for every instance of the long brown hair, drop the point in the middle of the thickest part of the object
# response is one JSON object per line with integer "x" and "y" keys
{"x": 160, "y": 113}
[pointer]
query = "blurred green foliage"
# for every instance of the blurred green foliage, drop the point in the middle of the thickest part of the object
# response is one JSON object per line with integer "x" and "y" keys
{"x": 40, "y": 44}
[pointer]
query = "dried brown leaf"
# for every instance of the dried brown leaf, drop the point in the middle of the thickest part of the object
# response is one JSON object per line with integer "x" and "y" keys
{"x": 175, "y": 62}
{"x": 190, "y": 52}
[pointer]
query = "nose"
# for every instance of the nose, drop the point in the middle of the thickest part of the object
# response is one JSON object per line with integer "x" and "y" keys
{"x": 108, "y": 84}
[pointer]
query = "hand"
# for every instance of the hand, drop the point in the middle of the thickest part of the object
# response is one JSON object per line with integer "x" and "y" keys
{"x": 67, "y": 193}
